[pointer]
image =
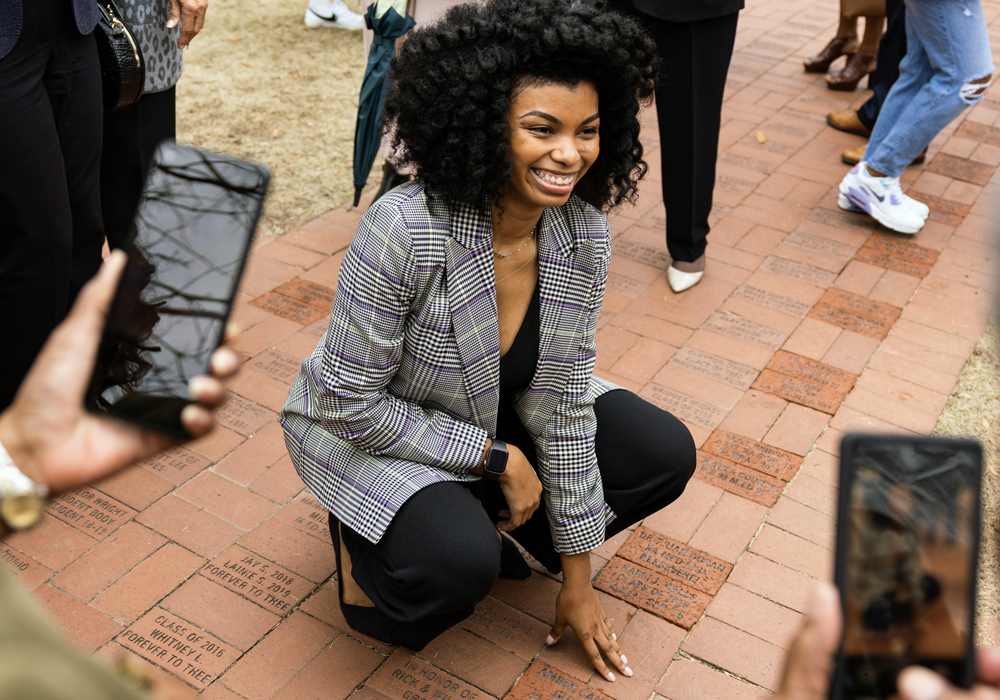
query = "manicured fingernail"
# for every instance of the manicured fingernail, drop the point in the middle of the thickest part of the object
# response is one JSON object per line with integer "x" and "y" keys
{"x": 171, "y": 23}
{"x": 918, "y": 683}
{"x": 628, "y": 671}
{"x": 624, "y": 660}
{"x": 611, "y": 676}
{"x": 550, "y": 640}
{"x": 614, "y": 636}
{"x": 197, "y": 385}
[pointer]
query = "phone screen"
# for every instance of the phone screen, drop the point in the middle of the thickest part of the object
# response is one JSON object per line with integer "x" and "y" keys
{"x": 907, "y": 551}
{"x": 192, "y": 232}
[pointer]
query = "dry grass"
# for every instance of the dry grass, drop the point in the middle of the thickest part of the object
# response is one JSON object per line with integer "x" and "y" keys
{"x": 258, "y": 84}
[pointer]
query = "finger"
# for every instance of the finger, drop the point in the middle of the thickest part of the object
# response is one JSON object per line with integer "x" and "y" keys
{"x": 504, "y": 526}
{"x": 614, "y": 653}
{"x": 197, "y": 420}
{"x": 224, "y": 363}
{"x": 597, "y": 660}
{"x": 232, "y": 330}
{"x": 809, "y": 664}
{"x": 175, "y": 14}
{"x": 199, "y": 23}
{"x": 556, "y": 633}
{"x": 988, "y": 665}
{"x": 187, "y": 28}
{"x": 207, "y": 391}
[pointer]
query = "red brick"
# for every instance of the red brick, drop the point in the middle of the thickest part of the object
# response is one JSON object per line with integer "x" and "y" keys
{"x": 758, "y": 616}
{"x": 280, "y": 482}
{"x": 308, "y": 515}
{"x": 568, "y": 653}
{"x": 508, "y": 628}
{"x": 259, "y": 388}
{"x": 294, "y": 550}
{"x": 84, "y": 626}
{"x": 460, "y": 652}
{"x": 859, "y": 277}
{"x": 29, "y": 573}
{"x": 730, "y": 526}
{"x": 698, "y": 386}
{"x": 945, "y": 314}
{"x": 243, "y": 416}
{"x": 643, "y": 360}
{"x": 289, "y": 254}
{"x": 264, "y": 335}
{"x": 761, "y": 240}
{"x": 324, "y": 605}
{"x": 277, "y": 659}
{"x": 231, "y": 618}
{"x": 147, "y": 583}
{"x": 612, "y": 342}
{"x": 754, "y": 414}
{"x": 812, "y": 338}
{"x": 895, "y": 288}
{"x": 90, "y": 511}
{"x": 272, "y": 587}
{"x": 108, "y": 561}
{"x": 907, "y": 394}
{"x": 189, "y": 525}
{"x": 253, "y": 457}
{"x": 775, "y": 582}
{"x": 736, "y": 651}
{"x": 932, "y": 338}
{"x": 226, "y": 499}
{"x": 329, "y": 233}
{"x": 217, "y": 444}
{"x": 687, "y": 679}
{"x": 335, "y": 673}
{"x": 394, "y": 677}
{"x": 794, "y": 552}
{"x": 810, "y": 491}
{"x": 135, "y": 487}
{"x": 535, "y": 596}
{"x": 796, "y": 429}
{"x": 52, "y": 543}
{"x": 808, "y": 523}
{"x": 649, "y": 644}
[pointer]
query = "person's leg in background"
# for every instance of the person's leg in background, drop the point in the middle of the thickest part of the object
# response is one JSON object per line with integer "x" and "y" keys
{"x": 50, "y": 134}
{"x": 130, "y": 139}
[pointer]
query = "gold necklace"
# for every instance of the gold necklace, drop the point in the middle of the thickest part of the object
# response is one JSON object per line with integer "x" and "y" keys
{"x": 498, "y": 254}
{"x": 515, "y": 271}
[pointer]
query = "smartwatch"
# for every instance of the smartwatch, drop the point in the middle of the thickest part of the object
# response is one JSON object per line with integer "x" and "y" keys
{"x": 495, "y": 463}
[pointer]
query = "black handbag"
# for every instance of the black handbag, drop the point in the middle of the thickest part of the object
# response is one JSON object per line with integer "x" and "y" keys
{"x": 123, "y": 70}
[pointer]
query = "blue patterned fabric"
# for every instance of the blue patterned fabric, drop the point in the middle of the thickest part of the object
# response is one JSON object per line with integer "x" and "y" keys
{"x": 403, "y": 389}
{"x": 85, "y": 12}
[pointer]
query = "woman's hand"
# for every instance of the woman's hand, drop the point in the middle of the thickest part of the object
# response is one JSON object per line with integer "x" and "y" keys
{"x": 521, "y": 488}
{"x": 577, "y": 606}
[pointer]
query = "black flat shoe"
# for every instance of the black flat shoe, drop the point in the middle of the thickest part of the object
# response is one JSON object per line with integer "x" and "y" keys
{"x": 512, "y": 564}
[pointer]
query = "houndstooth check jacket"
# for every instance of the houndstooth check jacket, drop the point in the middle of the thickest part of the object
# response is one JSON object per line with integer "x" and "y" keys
{"x": 403, "y": 389}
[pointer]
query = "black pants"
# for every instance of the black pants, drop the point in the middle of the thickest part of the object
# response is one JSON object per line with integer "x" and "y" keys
{"x": 440, "y": 555}
{"x": 50, "y": 211}
{"x": 130, "y": 139}
{"x": 696, "y": 58}
{"x": 891, "y": 51}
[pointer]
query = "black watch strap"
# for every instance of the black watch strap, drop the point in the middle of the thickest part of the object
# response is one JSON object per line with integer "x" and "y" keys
{"x": 495, "y": 463}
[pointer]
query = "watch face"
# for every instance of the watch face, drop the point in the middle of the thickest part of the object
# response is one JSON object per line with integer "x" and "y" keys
{"x": 496, "y": 462}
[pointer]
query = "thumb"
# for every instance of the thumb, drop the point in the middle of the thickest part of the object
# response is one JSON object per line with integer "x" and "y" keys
{"x": 810, "y": 662}
{"x": 556, "y": 632}
{"x": 175, "y": 14}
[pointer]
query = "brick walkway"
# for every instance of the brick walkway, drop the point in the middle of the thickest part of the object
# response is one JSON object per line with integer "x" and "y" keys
{"x": 213, "y": 562}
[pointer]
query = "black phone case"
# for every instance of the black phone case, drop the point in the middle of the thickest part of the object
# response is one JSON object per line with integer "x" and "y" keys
{"x": 172, "y": 406}
{"x": 848, "y": 446}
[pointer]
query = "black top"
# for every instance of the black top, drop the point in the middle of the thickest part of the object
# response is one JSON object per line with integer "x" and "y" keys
{"x": 687, "y": 10}
{"x": 517, "y": 367}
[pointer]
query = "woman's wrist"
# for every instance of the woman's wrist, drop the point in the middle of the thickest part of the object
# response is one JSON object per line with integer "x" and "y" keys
{"x": 576, "y": 569}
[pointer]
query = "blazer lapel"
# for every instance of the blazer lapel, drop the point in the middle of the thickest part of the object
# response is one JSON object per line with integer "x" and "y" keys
{"x": 566, "y": 276}
{"x": 472, "y": 298}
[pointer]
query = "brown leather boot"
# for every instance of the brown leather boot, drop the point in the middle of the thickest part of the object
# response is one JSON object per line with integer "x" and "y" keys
{"x": 858, "y": 66}
{"x": 847, "y": 120}
{"x": 837, "y": 47}
{"x": 853, "y": 156}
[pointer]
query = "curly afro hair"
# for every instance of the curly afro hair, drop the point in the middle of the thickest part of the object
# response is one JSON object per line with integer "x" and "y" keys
{"x": 454, "y": 81}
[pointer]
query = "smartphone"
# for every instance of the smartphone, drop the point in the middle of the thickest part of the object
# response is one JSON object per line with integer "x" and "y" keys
{"x": 907, "y": 550}
{"x": 188, "y": 246}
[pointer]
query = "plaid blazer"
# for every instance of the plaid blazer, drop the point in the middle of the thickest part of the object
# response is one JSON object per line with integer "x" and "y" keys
{"x": 403, "y": 389}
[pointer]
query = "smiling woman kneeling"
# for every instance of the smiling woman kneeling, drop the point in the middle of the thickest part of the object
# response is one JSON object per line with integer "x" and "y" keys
{"x": 453, "y": 392}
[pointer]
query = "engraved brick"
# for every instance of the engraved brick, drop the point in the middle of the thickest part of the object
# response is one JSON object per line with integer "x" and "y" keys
{"x": 839, "y": 219}
{"x": 625, "y": 286}
{"x": 176, "y": 465}
{"x": 507, "y": 627}
{"x": 819, "y": 245}
{"x": 961, "y": 169}
{"x": 652, "y": 591}
{"x": 243, "y": 416}
{"x": 277, "y": 365}
{"x": 896, "y": 254}
{"x": 90, "y": 511}
{"x": 402, "y": 671}
{"x": 981, "y": 133}
{"x": 856, "y": 313}
{"x": 178, "y": 646}
{"x": 542, "y": 681}
{"x": 308, "y": 293}
{"x": 798, "y": 271}
{"x": 305, "y": 513}
{"x": 649, "y": 255}
{"x": 808, "y": 382}
{"x": 751, "y": 453}
{"x": 675, "y": 560}
{"x": 747, "y": 331}
{"x": 773, "y": 300}
{"x": 272, "y": 587}
{"x": 945, "y": 211}
{"x": 30, "y": 573}
{"x": 685, "y": 407}
{"x": 717, "y": 368}
{"x": 289, "y": 309}
{"x": 738, "y": 479}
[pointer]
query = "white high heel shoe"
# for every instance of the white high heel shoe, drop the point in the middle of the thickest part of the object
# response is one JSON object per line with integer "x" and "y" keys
{"x": 680, "y": 281}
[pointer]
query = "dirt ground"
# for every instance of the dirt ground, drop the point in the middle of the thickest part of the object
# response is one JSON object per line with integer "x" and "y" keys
{"x": 258, "y": 84}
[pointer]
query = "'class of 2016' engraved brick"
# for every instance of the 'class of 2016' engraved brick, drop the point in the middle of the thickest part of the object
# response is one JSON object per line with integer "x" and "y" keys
{"x": 178, "y": 646}
{"x": 176, "y": 465}
{"x": 894, "y": 254}
{"x": 739, "y": 479}
{"x": 91, "y": 512}
{"x": 272, "y": 587}
{"x": 652, "y": 591}
{"x": 856, "y": 313}
{"x": 750, "y": 453}
{"x": 675, "y": 560}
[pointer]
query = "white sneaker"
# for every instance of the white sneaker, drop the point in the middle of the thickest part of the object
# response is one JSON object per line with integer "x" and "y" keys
{"x": 919, "y": 208}
{"x": 881, "y": 198}
{"x": 332, "y": 13}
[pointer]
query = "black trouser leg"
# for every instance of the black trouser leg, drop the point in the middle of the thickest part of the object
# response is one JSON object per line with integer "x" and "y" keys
{"x": 130, "y": 139}
{"x": 50, "y": 137}
{"x": 891, "y": 51}
{"x": 696, "y": 58}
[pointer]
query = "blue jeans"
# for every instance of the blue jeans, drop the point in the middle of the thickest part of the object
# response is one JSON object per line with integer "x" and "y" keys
{"x": 947, "y": 49}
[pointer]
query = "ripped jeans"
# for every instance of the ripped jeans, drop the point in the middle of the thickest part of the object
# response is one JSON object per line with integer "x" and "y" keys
{"x": 947, "y": 67}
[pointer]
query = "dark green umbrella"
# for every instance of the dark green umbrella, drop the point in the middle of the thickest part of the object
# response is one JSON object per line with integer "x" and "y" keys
{"x": 389, "y": 21}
